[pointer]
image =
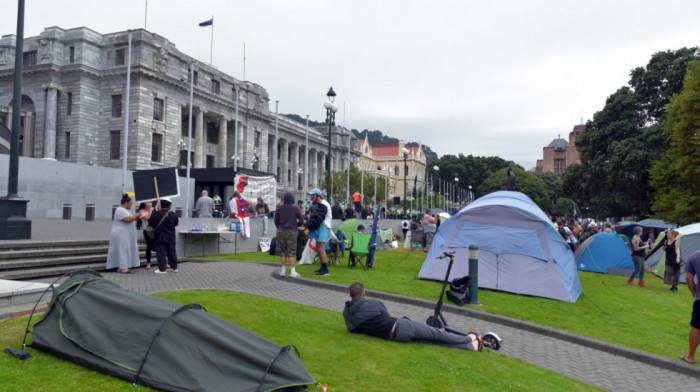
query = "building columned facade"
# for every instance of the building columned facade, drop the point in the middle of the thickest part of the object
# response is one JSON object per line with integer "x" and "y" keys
{"x": 388, "y": 161}
{"x": 559, "y": 154}
{"x": 74, "y": 109}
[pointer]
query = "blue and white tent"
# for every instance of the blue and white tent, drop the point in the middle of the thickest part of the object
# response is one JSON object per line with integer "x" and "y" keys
{"x": 520, "y": 250}
{"x": 601, "y": 251}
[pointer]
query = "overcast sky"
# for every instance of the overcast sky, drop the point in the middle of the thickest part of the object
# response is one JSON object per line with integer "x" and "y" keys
{"x": 499, "y": 78}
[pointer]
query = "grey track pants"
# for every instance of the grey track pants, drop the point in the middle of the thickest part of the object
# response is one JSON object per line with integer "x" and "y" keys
{"x": 408, "y": 330}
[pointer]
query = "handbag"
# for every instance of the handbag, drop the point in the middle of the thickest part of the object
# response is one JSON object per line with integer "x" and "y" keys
{"x": 151, "y": 231}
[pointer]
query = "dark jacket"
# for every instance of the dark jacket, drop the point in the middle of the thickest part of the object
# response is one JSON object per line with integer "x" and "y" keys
{"x": 288, "y": 217}
{"x": 166, "y": 231}
{"x": 317, "y": 216}
{"x": 362, "y": 310}
{"x": 336, "y": 211}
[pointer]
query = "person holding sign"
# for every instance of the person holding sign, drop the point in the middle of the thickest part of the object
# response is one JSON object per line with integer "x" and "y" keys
{"x": 123, "y": 252}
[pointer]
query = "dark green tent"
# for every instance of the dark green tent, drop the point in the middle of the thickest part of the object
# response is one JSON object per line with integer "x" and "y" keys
{"x": 159, "y": 343}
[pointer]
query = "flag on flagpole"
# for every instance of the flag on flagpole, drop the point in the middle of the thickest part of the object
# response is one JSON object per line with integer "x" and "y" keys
{"x": 207, "y": 23}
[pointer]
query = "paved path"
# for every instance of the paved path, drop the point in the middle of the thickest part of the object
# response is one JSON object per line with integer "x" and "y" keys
{"x": 594, "y": 366}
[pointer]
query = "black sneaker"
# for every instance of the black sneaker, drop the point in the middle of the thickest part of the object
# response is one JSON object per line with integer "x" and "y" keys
{"x": 323, "y": 272}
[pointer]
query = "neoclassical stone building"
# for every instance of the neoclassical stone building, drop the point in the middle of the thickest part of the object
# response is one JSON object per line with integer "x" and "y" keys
{"x": 388, "y": 161}
{"x": 74, "y": 109}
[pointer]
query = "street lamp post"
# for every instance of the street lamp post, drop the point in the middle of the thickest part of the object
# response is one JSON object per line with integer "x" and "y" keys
{"x": 181, "y": 146}
{"x": 470, "y": 198}
{"x": 432, "y": 200}
{"x": 330, "y": 119}
{"x": 405, "y": 175}
{"x": 457, "y": 193}
{"x": 306, "y": 162}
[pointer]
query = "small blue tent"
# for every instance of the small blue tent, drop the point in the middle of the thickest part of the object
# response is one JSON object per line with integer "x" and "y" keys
{"x": 601, "y": 251}
{"x": 520, "y": 250}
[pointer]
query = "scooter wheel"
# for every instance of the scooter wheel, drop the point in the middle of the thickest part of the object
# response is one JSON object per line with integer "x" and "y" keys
{"x": 434, "y": 322}
{"x": 492, "y": 341}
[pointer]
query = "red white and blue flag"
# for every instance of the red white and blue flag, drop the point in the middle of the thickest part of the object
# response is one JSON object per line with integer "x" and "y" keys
{"x": 207, "y": 22}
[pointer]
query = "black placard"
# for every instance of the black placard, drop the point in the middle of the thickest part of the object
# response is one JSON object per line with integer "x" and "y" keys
{"x": 144, "y": 184}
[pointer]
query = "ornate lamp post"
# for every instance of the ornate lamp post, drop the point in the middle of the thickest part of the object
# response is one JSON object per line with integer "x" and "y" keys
{"x": 405, "y": 175}
{"x": 457, "y": 192}
{"x": 181, "y": 146}
{"x": 330, "y": 119}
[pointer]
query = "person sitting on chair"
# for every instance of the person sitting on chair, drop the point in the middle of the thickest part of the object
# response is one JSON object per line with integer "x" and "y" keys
{"x": 370, "y": 316}
{"x": 360, "y": 229}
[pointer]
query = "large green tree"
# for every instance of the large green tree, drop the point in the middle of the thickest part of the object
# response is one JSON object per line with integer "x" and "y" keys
{"x": 676, "y": 175}
{"x": 469, "y": 169}
{"x": 624, "y": 138}
{"x": 528, "y": 183}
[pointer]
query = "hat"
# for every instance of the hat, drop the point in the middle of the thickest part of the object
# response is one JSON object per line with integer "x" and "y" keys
{"x": 592, "y": 225}
{"x": 316, "y": 191}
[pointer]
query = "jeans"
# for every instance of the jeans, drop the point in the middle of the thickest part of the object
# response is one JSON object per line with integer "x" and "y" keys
{"x": 408, "y": 330}
{"x": 638, "y": 267}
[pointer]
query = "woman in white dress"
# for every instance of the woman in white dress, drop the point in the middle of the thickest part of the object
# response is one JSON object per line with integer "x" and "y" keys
{"x": 123, "y": 249}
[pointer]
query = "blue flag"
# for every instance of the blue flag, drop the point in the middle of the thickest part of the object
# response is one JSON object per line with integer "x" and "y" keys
{"x": 415, "y": 181}
{"x": 207, "y": 23}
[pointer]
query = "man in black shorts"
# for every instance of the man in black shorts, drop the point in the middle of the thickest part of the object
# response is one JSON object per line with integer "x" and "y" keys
{"x": 691, "y": 269}
{"x": 369, "y": 316}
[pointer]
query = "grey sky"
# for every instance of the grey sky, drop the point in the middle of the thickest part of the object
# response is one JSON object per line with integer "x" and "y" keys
{"x": 503, "y": 78}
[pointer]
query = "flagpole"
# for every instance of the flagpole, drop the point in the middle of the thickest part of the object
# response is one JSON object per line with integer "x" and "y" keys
{"x": 211, "y": 48}
{"x": 145, "y": 17}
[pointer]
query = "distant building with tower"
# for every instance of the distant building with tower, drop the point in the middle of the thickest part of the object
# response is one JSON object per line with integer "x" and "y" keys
{"x": 560, "y": 153}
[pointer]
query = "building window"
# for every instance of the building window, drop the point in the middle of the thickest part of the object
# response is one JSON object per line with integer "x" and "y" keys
{"x": 120, "y": 57}
{"x": 158, "y": 109}
{"x": 559, "y": 165}
{"x": 212, "y": 133}
{"x": 396, "y": 170}
{"x": 196, "y": 78}
{"x": 69, "y": 104}
{"x": 71, "y": 57}
{"x": 156, "y": 147}
{"x": 116, "y": 105}
{"x": 258, "y": 138}
{"x": 114, "y": 141}
{"x": 67, "y": 145}
{"x": 29, "y": 58}
{"x": 215, "y": 87}
{"x": 210, "y": 161}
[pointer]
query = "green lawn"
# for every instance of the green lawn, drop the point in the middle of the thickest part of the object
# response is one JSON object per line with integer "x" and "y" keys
{"x": 344, "y": 361}
{"x": 654, "y": 320}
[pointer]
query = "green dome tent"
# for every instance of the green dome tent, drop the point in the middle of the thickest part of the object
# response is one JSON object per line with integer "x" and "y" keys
{"x": 159, "y": 343}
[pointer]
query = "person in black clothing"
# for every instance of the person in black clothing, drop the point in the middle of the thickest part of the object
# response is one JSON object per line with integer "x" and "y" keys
{"x": 349, "y": 213}
{"x": 164, "y": 222}
{"x": 288, "y": 218}
{"x": 370, "y": 316}
{"x": 336, "y": 211}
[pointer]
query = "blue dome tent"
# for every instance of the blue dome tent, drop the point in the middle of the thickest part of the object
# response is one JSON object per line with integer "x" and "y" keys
{"x": 520, "y": 250}
{"x": 602, "y": 251}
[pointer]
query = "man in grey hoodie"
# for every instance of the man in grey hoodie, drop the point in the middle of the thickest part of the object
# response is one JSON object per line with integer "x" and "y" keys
{"x": 370, "y": 316}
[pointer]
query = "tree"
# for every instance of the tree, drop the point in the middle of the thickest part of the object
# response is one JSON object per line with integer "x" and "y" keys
{"x": 525, "y": 182}
{"x": 470, "y": 170}
{"x": 553, "y": 181}
{"x": 675, "y": 176}
{"x": 624, "y": 138}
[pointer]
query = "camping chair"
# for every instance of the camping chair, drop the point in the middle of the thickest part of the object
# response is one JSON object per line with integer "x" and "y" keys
{"x": 416, "y": 237}
{"x": 333, "y": 249}
{"x": 360, "y": 247}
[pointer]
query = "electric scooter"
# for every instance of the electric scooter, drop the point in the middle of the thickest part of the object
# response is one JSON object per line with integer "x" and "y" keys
{"x": 437, "y": 320}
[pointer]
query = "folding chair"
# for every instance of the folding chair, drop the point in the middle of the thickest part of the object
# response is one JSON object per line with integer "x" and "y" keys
{"x": 359, "y": 248}
{"x": 416, "y": 237}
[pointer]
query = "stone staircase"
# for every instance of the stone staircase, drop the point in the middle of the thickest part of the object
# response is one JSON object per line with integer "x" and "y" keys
{"x": 32, "y": 260}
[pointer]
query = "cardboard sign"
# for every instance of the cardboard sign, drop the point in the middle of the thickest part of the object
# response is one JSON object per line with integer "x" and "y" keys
{"x": 145, "y": 186}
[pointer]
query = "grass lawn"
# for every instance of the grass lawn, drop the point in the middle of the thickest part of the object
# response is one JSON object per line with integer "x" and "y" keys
{"x": 654, "y": 320}
{"x": 344, "y": 361}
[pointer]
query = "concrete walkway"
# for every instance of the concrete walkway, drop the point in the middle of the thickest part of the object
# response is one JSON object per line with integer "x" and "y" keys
{"x": 596, "y": 363}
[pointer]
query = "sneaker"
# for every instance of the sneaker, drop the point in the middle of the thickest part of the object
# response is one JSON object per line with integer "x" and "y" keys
{"x": 641, "y": 284}
{"x": 630, "y": 282}
{"x": 175, "y": 270}
{"x": 323, "y": 272}
{"x": 294, "y": 274}
{"x": 160, "y": 272}
{"x": 283, "y": 273}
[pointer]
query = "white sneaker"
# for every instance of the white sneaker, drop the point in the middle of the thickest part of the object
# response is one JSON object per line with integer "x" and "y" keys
{"x": 157, "y": 271}
{"x": 282, "y": 273}
{"x": 294, "y": 274}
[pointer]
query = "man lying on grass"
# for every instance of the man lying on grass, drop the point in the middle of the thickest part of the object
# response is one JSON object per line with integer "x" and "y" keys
{"x": 370, "y": 316}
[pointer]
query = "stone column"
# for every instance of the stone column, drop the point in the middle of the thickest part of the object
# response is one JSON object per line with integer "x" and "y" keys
{"x": 50, "y": 123}
{"x": 312, "y": 168}
{"x": 295, "y": 166}
{"x": 284, "y": 161}
{"x": 221, "y": 153}
{"x": 28, "y": 139}
{"x": 198, "y": 139}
